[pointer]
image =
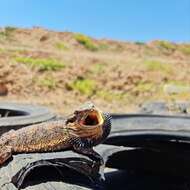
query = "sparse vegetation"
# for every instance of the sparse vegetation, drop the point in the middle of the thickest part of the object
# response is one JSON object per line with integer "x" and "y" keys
{"x": 42, "y": 64}
{"x": 84, "y": 86}
{"x": 110, "y": 96}
{"x": 9, "y": 29}
{"x": 139, "y": 43}
{"x": 2, "y": 50}
{"x": 144, "y": 87}
{"x": 98, "y": 68}
{"x": 103, "y": 46}
{"x": 185, "y": 49}
{"x": 185, "y": 96}
{"x": 86, "y": 42}
{"x": 178, "y": 83}
{"x": 167, "y": 45}
{"x": 7, "y": 32}
{"x": 153, "y": 65}
{"x": 172, "y": 89}
{"x": 48, "y": 82}
{"x": 118, "y": 48}
{"x": 61, "y": 46}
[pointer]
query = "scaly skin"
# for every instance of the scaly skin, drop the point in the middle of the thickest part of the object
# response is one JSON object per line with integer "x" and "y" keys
{"x": 87, "y": 127}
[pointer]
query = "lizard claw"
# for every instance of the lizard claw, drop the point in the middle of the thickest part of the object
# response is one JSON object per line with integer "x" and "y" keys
{"x": 100, "y": 161}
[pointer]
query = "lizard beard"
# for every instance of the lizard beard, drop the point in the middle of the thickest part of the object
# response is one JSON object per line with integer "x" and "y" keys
{"x": 106, "y": 127}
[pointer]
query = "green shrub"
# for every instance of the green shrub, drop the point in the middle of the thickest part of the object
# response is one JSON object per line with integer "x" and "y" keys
{"x": 84, "y": 86}
{"x": 178, "y": 83}
{"x": 109, "y": 95}
{"x": 41, "y": 64}
{"x": 139, "y": 43}
{"x": 10, "y": 29}
{"x": 48, "y": 82}
{"x": 158, "y": 66}
{"x": 185, "y": 49}
{"x": 103, "y": 46}
{"x": 7, "y": 32}
{"x": 144, "y": 87}
{"x": 2, "y": 50}
{"x": 61, "y": 46}
{"x": 97, "y": 68}
{"x": 86, "y": 42}
{"x": 167, "y": 45}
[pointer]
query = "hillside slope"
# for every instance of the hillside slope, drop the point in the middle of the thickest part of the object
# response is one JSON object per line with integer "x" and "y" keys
{"x": 63, "y": 69}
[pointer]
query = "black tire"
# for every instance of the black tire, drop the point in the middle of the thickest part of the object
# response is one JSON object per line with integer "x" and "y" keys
{"x": 182, "y": 108}
{"x": 133, "y": 168}
{"x": 147, "y": 130}
{"x": 138, "y": 168}
{"x": 14, "y": 115}
{"x": 53, "y": 170}
{"x": 159, "y": 157}
{"x": 152, "y": 124}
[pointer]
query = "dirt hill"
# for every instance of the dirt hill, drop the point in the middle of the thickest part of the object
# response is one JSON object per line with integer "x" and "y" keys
{"x": 63, "y": 69}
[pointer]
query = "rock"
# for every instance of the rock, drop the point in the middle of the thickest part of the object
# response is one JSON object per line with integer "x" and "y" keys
{"x": 176, "y": 89}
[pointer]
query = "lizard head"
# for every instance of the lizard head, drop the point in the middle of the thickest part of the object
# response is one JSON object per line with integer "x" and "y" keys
{"x": 89, "y": 115}
{"x": 91, "y": 123}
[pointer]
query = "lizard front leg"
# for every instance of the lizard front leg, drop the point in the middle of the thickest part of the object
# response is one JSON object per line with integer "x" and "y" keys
{"x": 83, "y": 148}
{"x": 98, "y": 162}
{"x": 5, "y": 153}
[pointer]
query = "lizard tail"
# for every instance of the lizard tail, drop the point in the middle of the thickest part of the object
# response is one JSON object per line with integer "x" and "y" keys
{"x": 5, "y": 154}
{"x": 5, "y": 149}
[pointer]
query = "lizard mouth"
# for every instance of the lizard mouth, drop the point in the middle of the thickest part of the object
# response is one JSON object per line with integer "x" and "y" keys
{"x": 92, "y": 119}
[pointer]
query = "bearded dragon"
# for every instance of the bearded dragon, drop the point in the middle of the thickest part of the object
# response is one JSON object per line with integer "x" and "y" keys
{"x": 85, "y": 128}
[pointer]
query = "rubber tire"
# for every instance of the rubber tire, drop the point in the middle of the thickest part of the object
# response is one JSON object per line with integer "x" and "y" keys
{"x": 28, "y": 114}
{"x": 164, "y": 108}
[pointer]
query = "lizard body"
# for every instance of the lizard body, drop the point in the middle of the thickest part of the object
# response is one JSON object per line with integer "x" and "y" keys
{"x": 87, "y": 127}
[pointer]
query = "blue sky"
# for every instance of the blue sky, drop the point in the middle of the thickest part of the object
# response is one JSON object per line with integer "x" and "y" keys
{"x": 130, "y": 20}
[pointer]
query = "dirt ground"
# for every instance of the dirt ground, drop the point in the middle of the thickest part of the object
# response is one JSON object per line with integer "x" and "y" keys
{"x": 63, "y": 69}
